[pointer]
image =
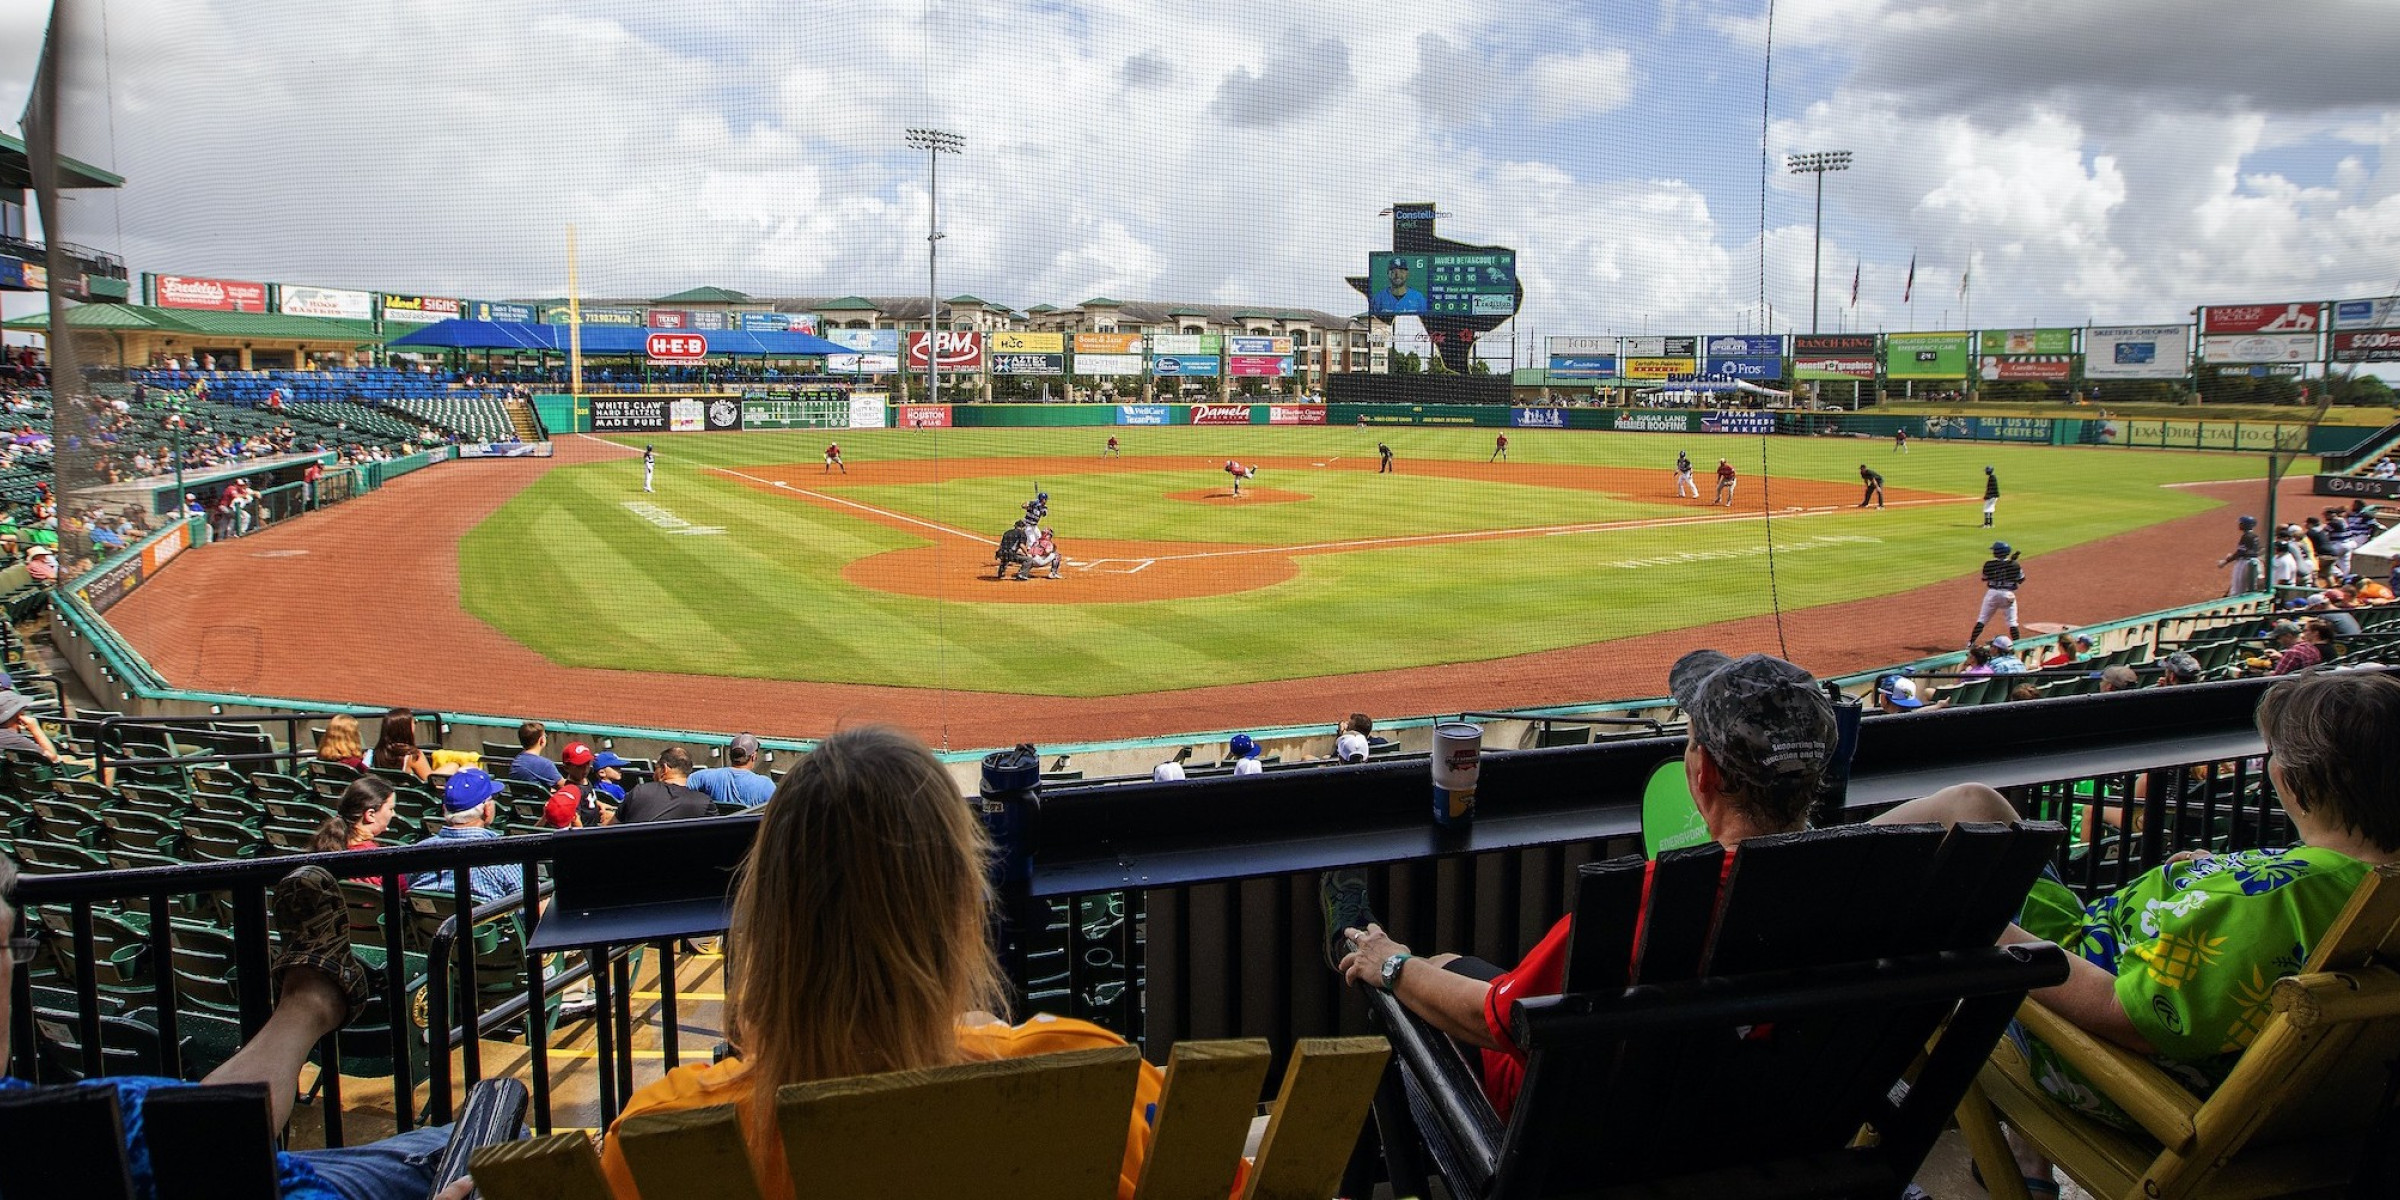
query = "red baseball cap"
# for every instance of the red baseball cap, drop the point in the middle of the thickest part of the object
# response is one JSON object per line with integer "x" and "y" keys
{"x": 559, "y": 812}
{"x": 578, "y": 754}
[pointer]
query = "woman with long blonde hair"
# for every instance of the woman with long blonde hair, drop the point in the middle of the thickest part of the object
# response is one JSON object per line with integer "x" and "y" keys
{"x": 859, "y": 946}
{"x": 341, "y": 744}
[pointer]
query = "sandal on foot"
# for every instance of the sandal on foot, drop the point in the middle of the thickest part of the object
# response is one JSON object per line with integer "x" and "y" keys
{"x": 314, "y": 921}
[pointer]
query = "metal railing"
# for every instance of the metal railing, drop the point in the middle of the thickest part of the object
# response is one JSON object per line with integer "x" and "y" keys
{"x": 1169, "y": 911}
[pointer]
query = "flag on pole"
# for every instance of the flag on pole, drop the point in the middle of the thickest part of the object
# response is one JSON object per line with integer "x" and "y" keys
{"x": 1962, "y": 282}
{"x": 1910, "y": 288}
{"x": 1854, "y": 270}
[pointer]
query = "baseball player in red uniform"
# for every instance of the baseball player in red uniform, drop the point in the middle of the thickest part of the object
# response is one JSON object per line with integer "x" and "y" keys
{"x": 1239, "y": 473}
{"x": 833, "y": 458}
{"x": 1499, "y": 448}
{"x": 1725, "y": 478}
{"x": 1112, "y": 451}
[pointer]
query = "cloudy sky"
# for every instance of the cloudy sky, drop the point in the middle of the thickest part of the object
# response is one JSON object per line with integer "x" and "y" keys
{"x": 2111, "y": 161}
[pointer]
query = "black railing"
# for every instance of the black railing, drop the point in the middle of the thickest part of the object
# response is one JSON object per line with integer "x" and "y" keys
{"x": 1181, "y": 910}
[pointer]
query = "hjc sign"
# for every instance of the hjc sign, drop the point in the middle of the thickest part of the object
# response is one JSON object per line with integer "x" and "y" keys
{"x": 676, "y": 347}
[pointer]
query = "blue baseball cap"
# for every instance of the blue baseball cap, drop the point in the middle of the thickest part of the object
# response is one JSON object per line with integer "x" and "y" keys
{"x": 608, "y": 758}
{"x": 1243, "y": 746}
{"x": 468, "y": 789}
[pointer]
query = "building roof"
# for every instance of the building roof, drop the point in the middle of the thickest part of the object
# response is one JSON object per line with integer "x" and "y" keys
{"x": 705, "y": 295}
{"x": 844, "y": 304}
{"x": 16, "y": 169}
{"x": 976, "y": 300}
{"x": 1162, "y": 312}
{"x": 194, "y": 323}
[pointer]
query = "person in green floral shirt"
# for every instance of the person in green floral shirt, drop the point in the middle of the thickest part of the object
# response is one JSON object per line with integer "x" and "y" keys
{"x": 2178, "y": 963}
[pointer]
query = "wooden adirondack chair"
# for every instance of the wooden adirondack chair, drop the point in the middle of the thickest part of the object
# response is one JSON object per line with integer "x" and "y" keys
{"x": 1050, "y": 1127}
{"x": 2294, "y": 1116}
{"x": 1766, "y": 1039}
{"x": 215, "y": 1141}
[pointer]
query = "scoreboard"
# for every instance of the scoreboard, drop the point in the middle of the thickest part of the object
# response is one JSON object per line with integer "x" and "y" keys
{"x": 1443, "y": 284}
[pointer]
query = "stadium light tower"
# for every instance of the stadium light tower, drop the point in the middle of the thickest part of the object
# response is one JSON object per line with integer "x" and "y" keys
{"x": 935, "y": 143}
{"x": 1818, "y": 164}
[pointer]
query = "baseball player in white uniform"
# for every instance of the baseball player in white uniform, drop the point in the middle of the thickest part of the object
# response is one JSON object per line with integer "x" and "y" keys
{"x": 2002, "y": 576}
{"x": 649, "y": 467}
{"x": 1683, "y": 477}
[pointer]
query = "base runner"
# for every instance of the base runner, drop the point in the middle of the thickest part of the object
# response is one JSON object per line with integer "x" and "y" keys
{"x": 1683, "y": 477}
{"x": 2002, "y": 576}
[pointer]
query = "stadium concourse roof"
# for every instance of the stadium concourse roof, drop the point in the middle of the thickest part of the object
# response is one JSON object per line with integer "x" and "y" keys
{"x": 16, "y": 170}
{"x": 458, "y": 334}
{"x": 267, "y": 326}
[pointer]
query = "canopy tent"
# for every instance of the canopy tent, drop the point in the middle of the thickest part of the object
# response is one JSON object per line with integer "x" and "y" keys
{"x": 1719, "y": 385}
{"x": 460, "y": 334}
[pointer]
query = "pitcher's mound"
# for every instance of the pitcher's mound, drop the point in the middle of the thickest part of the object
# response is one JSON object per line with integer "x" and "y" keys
{"x": 1251, "y": 494}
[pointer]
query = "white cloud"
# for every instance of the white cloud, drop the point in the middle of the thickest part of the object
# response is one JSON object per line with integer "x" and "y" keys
{"x": 1583, "y": 83}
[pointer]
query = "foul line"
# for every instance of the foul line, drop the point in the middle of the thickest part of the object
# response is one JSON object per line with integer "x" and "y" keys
{"x": 611, "y": 445}
{"x": 885, "y": 513}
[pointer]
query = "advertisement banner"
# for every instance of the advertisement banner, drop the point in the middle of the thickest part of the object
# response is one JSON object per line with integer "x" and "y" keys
{"x": 707, "y": 318}
{"x": 2362, "y": 486}
{"x": 2136, "y": 352}
{"x": 1143, "y": 414}
{"x": 1028, "y": 364}
{"x": 676, "y": 347}
{"x": 1857, "y": 367}
{"x": 2367, "y": 345}
{"x": 723, "y": 415}
{"x": 1189, "y": 366}
{"x": 1833, "y": 345}
{"x": 1220, "y": 414}
{"x": 2259, "y": 347}
{"x": 1259, "y": 346}
{"x": 1242, "y": 366}
{"x": 1295, "y": 414}
{"x": 1737, "y": 422}
{"x": 867, "y": 410}
{"x": 1742, "y": 346}
{"x": 921, "y": 416}
{"x": 1572, "y": 347}
{"x": 2383, "y": 312}
{"x": 865, "y": 341}
{"x": 209, "y": 295}
{"x": 808, "y": 408}
{"x": 1538, "y": 418}
{"x": 1108, "y": 364}
{"x": 1925, "y": 356}
{"x": 1008, "y": 341}
{"x": 1108, "y": 343}
{"x": 493, "y": 310}
{"x": 862, "y": 364}
{"x": 1186, "y": 343}
{"x": 2051, "y": 368}
{"x": 425, "y": 310}
{"x": 1661, "y": 347}
{"x": 1654, "y": 422}
{"x": 2028, "y": 341}
{"x": 960, "y": 350}
{"x": 325, "y": 302}
{"x": 631, "y": 415}
{"x": 689, "y": 414}
{"x": 2262, "y": 318}
{"x": 775, "y": 322}
{"x": 557, "y": 314}
{"x": 1744, "y": 368}
{"x": 505, "y": 450}
{"x": 670, "y": 318}
{"x": 1658, "y": 368}
{"x": 1582, "y": 366}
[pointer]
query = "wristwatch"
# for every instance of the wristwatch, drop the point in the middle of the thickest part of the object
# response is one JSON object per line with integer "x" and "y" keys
{"x": 1391, "y": 970}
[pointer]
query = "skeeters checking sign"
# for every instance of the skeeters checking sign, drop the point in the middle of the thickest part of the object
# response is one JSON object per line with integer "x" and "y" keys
{"x": 676, "y": 347}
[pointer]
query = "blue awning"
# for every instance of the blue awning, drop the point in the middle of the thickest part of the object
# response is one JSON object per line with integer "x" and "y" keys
{"x": 459, "y": 334}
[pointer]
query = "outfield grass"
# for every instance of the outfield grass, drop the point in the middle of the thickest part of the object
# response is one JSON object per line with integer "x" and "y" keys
{"x": 569, "y": 570}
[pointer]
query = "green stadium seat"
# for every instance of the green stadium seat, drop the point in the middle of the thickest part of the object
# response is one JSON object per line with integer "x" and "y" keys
{"x": 133, "y": 829}
{"x": 159, "y": 801}
{"x": 45, "y": 857}
{"x": 208, "y": 837}
{"x": 1559, "y": 735}
{"x": 269, "y": 786}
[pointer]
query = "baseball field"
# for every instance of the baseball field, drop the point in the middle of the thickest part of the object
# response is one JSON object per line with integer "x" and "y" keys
{"x": 752, "y": 558}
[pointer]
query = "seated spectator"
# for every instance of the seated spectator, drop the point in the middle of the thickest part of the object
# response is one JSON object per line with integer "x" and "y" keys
{"x": 1245, "y": 752}
{"x": 575, "y": 801}
{"x": 2134, "y": 979}
{"x": 2178, "y": 669}
{"x": 340, "y": 742}
{"x": 2119, "y": 678}
{"x": 367, "y": 808}
{"x": 2370, "y": 591}
{"x": 1900, "y": 694}
{"x": 529, "y": 764}
{"x": 467, "y": 815}
{"x": 2004, "y": 657}
{"x": 1352, "y": 745}
{"x": 396, "y": 749}
{"x": 2309, "y": 651}
{"x": 2071, "y": 650}
{"x": 318, "y": 984}
{"x": 668, "y": 797}
{"x": 41, "y": 564}
{"x": 21, "y": 728}
{"x": 2025, "y": 691}
{"x": 1979, "y": 661}
{"x": 861, "y": 916}
{"x": 738, "y": 782}
{"x": 1171, "y": 771}
{"x": 1760, "y": 740}
{"x": 2282, "y": 639}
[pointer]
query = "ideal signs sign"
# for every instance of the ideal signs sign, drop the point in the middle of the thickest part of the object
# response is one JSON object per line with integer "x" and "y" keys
{"x": 676, "y": 347}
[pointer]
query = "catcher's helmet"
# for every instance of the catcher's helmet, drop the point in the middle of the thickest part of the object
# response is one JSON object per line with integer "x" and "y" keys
{"x": 1242, "y": 746}
{"x": 2000, "y": 548}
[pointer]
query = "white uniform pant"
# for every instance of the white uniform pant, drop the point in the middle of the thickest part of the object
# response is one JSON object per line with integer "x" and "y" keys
{"x": 1997, "y": 601}
{"x": 1989, "y": 507}
{"x": 647, "y": 470}
{"x": 1684, "y": 485}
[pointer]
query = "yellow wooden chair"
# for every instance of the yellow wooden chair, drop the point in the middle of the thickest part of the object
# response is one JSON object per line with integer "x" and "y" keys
{"x": 2290, "y": 1119}
{"x": 1050, "y": 1127}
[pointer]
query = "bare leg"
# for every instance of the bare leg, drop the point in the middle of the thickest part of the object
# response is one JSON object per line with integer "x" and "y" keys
{"x": 311, "y": 1007}
{"x": 1951, "y": 805}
